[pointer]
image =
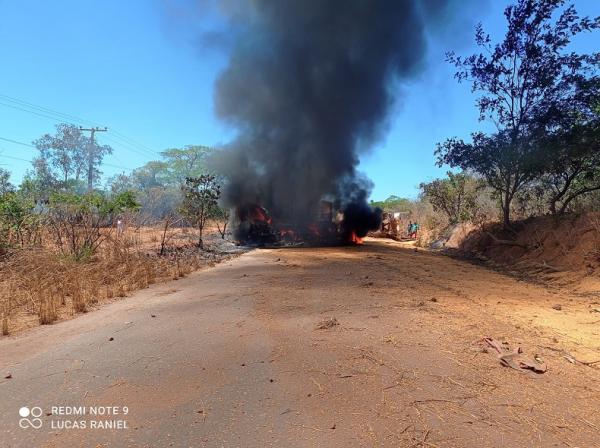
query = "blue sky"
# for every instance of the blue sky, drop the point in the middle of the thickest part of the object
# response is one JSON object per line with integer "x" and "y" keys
{"x": 138, "y": 67}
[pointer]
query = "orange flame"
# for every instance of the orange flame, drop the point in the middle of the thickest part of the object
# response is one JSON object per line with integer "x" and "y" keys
{"x": 314, "y": 230}
{"x": 355, "y": 238}
{"x": 259, "y": 214}
{"x": 287, "y": 234}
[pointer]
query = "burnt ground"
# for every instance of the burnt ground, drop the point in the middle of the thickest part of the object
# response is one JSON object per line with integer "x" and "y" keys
{"x": 234, "y": 357}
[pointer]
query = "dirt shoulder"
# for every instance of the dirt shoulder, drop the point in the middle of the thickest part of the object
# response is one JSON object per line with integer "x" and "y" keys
{"x": 560, "y": 251}
{"x": 233, "y": 357}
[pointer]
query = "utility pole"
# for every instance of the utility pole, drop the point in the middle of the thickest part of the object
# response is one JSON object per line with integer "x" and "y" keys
{"x": 91, "y": 154}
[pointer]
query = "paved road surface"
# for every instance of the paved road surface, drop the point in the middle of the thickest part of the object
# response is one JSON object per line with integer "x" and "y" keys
{"x": 233, "y": 357}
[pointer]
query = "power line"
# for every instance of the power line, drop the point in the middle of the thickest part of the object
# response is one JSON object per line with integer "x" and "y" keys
{"x": 2, "y": 149}
{"x": 57, "y": 116}
{"x": 120, "y": 161}
{"x": 117, "y": 138}
{"x": 137, "y": 151}
{"x": 32, "y": 146}
{"x": 17, "y": 142}
{"x": 127, "y": 139}
{"x": 117, "y": 166}
{"x": 28, "y": 111}
{"x": 143, "y": 151}
{"x": 44, "y": 109}
{"x": 16, "y": 158}
{"x": 30, "y": 161}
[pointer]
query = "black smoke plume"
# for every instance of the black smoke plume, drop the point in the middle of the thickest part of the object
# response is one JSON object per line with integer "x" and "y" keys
{"x": 308, "y": 87}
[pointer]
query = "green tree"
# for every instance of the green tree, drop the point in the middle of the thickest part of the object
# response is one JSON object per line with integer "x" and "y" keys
{"x": 94, "y": 156}
{"x": 64, "y": 151}
{"x": 158, "y": 183}
{"x": 200, "y": 201}
{"x": 392, "y": 204}
{"x": 150, "y": 182}
{"x": 182, "y": 163}
{"x": 119, "y": 183}
{"x": 152, "y": 174}
{"x": 39, "y": 183}
{"x": 122, "y": 202}
{"x": 71, "y": 156}
{"x": 572, "y": 165}
{"x": 17, "y": 220}
{"x": 455, "y": 195}
{"x": 76, "y": 220}
{"x": 5, "y": 185}
{"x": 521, "y": 80}
{"x": 505, "y": 168}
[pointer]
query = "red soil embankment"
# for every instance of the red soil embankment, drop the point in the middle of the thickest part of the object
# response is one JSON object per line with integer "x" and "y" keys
{"x": 561, "y": 249}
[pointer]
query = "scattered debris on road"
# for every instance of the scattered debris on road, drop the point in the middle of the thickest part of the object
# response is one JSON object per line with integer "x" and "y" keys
{"x": 327, "y": 323}
{"x": 514, "y": 358}
{"x": 569, "y": 357}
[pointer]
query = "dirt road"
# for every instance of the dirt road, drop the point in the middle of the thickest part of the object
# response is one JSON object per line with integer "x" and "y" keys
{"x": 232, "y": 356}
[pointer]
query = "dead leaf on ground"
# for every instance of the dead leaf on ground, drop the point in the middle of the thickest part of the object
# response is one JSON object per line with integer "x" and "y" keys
{"x": 515, "y": 358}
{"x": 531, "y": 364}
{"x": 495, "y": 345}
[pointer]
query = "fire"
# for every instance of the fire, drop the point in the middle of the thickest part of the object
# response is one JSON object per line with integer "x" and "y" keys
{"x": 314, "y": 230}
{"x": 258, "y": 214}
{"x": 288, "y": 235}
{"x": 256, "y": 226}
{"x": 354, "y": 238}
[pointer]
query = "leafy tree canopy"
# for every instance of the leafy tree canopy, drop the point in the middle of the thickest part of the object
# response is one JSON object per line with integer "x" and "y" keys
{"x": 455, "y": 195}
{"x": 392, "y": 204}
{"x": 527, "y": 84}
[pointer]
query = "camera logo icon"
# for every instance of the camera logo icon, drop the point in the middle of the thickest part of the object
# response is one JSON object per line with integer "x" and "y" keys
{"x": 30, "y": 417}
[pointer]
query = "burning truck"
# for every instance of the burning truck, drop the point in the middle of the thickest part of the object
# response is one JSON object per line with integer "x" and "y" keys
{"x": 328, "y": 226}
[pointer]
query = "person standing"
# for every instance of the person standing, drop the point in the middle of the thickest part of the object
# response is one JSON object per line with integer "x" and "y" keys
{"x": 415, "y": 230}
{"x": 120, "y": 225}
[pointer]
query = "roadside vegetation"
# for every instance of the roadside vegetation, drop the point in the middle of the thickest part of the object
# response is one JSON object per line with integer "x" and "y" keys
{"x": 64, "y": 248}
{"x": 542, "y": 157}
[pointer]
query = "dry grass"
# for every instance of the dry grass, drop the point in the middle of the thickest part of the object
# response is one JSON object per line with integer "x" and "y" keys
{"x": 594, "y": 220}
{"x": 40, "y": 286}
